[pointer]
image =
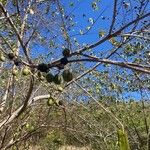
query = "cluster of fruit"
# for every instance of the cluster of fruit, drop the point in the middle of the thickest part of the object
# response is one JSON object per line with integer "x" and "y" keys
{"x": 57, "y": 79}
{"x": 52, "y": 102}
{"x": 25, "y": 71}
{"x": 17, "y": 62}
{"x": 63, "y": 61}
{"x": 44, "y": 68}
{"x": 11, "y": 56}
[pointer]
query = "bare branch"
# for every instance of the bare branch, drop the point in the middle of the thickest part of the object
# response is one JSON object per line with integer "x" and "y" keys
{"x": 121, "y": 64}
{"x": 2, "y": 105}
{"x": 101, "y": 41}
{"x": 16, "y": 31}
{"x": 94, "y": 67}
{"x": 4, "y": 136}
{"x": 134, "y": 35}
{"x": 109, "y": 36}
{"x": 16, "y": 113}
{"x": 114, "y": 16}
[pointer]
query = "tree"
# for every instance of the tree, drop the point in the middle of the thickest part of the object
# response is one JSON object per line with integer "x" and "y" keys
{"x": 54, "y": 52}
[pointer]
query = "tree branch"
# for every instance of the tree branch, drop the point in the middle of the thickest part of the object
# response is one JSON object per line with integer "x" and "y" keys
{"x": 114, "y": 16}
{"x": 16, "y": 113}
{"x": 132, "y": 66}
{"x": 16, "y": 31}
{"x": 134, "y": 35}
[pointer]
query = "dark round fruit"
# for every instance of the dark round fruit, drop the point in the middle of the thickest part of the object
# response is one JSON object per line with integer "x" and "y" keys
{"x": 66, "y": 52}
{"x": 49, "y": 77}
{"x": 67, "y": 75}
{"x": 43, "y": 67}
{"x": 60, "y": 103}
{"x": 57, "y": 79}
{"x": 17, "y": 61}
{"x": 11, "y": 56}
{"x": 64, "y": 61}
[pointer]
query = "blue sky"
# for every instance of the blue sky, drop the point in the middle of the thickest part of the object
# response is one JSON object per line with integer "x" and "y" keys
{"x": 83, "y": 17}
{"x": 84, "y": 7}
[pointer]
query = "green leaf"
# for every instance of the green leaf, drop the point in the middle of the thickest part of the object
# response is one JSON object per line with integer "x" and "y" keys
{"x": 3, "y": 2}
{"x": 71, "y": 4}
{"x": 94, "y": 5}
{"x": 14, "y": 2}
{"x": 102, "y": 33}
{"x": 123, "y": 140}
{"x": 51, "y": 43}
{"x": 88, "y": 28}
{"x": 91, "y": 20}
{"x": 81, "y": 32}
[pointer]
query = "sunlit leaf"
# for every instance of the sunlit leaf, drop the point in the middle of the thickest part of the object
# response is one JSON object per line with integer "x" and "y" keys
{"x": 91, "y": 20}
{"x": 71, "y": 4}
{"x": 94, "y": 5}
{"x": 101, "y": 33}
{"x": 81, "y": 32}
{"x": 31, "y": 11}
{"x": 123, "y": 140}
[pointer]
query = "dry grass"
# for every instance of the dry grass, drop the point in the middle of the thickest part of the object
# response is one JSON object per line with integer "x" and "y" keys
{"x": 35, "y": 148}
{"x": 63, "y": 148}
{"x": 73, "y": 148}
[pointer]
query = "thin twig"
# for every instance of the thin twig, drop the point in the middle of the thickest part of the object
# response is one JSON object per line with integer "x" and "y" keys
{"x": 105, "y": 109}
{"x": 134, "y": 35}
{"x": 133, "y": 66}
{"x": 114, "y": 16}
